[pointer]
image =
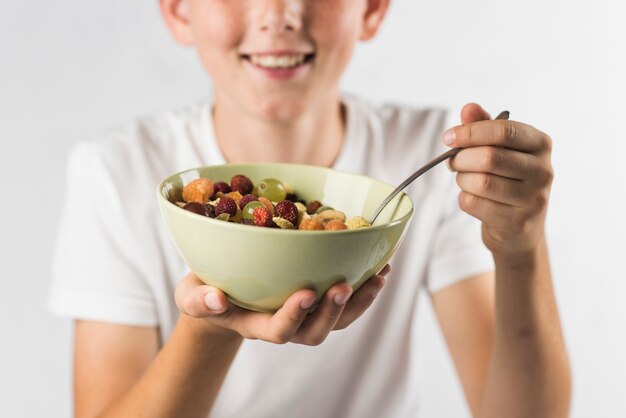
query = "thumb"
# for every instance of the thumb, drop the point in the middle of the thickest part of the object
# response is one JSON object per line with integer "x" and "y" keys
{"x": 198, "y": 300}
{"x": 473, "y": 112}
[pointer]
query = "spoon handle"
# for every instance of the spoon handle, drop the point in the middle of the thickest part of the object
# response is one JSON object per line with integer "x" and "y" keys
{"x": 450, "y": 153}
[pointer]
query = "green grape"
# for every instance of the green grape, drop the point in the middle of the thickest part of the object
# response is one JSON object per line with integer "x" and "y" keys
{"x": 247, "y": 210}
{"x": 323, "y": 208}
{"x": 272, "y": 189}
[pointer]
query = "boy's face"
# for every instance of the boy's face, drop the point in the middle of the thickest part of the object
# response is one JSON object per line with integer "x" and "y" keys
{"x": 273, "y": 58}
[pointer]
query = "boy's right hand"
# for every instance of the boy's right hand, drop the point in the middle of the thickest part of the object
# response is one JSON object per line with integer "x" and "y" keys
{"x": 291, "y": 323}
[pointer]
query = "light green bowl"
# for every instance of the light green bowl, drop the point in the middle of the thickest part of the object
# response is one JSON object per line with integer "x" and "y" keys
{"x": 258, "y": 268}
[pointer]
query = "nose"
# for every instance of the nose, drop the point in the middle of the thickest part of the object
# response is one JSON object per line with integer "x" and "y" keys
{"x": 279, "y": 16}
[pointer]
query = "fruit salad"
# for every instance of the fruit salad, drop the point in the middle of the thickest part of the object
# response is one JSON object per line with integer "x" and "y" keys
{"x": 269, "y": 204}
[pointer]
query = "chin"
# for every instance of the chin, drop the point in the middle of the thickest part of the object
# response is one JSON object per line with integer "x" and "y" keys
{"x": 280, "y": 110}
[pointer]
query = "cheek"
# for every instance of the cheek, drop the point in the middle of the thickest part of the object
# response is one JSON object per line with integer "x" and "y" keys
{"x": 336, "y": 30}
{"x": 218, "y": 30}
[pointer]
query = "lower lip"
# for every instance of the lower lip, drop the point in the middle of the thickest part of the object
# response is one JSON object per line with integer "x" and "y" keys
{"x": 277, "y": 73}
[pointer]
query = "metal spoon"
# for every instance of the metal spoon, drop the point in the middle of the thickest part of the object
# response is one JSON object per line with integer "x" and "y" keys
{"x": 450, "y": 153}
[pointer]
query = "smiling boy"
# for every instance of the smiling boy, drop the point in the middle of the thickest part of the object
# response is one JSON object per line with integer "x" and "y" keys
{"x": 275, "y": 66}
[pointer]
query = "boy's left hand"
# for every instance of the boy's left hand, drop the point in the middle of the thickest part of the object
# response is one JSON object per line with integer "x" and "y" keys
{"x": 505, "y": 176}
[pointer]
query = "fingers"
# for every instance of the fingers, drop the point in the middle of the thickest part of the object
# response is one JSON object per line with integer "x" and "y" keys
{"x": 363, "y": 298}
{"x": 500, "y": 161}
{"x": 198, "y": 300}
{"x": 277, "y": 328}
{"x": 505, "y": 176}
{"x": 322, "y": 321}
{"x": 292, "y": 322}
{"x": 473, "y": 112}
{"x": 361, "y": 301}
{"x": 496, "y": 188}
{"x": 339, "y": 308}
{"x": 504, "y": 172}
{"x": 497, "y": 215}
{"x": 385, "y": 270}
{"x": 281, "y": 327}
{"x": 502, "y": 133}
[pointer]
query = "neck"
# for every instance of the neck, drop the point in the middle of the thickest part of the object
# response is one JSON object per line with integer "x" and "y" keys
{"x": 314, "y": 137}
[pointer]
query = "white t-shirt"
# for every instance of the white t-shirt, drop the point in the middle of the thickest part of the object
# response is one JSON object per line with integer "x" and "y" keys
{"x": 116, "y": 263}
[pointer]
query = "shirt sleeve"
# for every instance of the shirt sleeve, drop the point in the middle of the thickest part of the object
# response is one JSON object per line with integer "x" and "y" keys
{"x": 458, "y": 251}
{"x": 96, "y": 271}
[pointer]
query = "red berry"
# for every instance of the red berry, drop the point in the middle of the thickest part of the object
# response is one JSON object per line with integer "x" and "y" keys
{"x": 226, "y": 205}
{"x": 294, "y": 198}
{"x": 210, "y": 209}
{"x": 313, "y": 206}
{"x": 220, "y": 186}
{"x": 200, "y": 209}
{"x": 242, "y": 184}
{"x": 262, "y": 217}
{"x": 247, "y": 199}
{"x": 287, "y": 210}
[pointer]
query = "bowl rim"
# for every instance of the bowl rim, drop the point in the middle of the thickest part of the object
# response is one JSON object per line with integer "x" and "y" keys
{"x": 202, "y": 218}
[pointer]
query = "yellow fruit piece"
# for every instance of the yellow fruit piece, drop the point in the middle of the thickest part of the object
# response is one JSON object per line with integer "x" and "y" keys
{"x": 331, "y": 215}
{"x": 335, "y": 225}
{"x": 313, "y": 223}
{"x": 300, "y": 206}
{"x": 282, "y": 223}
{"x": 198, "y": 190}
{"x": 357, "y": 222}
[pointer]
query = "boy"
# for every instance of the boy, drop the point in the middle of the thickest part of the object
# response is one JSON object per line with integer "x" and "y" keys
{"x": 275, "y": 66}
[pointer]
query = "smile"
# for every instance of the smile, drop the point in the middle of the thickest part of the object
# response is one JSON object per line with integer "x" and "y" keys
{"x": 278, "y": 61}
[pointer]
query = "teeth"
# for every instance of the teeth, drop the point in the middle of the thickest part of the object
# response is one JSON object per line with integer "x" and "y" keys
{"x": 277, "y": 61}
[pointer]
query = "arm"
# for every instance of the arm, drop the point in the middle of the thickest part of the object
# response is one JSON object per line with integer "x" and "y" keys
{"x": 120, "y": 372}
{"x": 507, "y": 342}
{"x": 130, "y": 377}
{"x": 466, "y": 315}
{"x": 529, "y": 355}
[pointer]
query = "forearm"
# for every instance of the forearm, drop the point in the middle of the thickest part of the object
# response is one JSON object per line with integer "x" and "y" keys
{"x": 185, "y": 377}
{"x": 529, "y": 373}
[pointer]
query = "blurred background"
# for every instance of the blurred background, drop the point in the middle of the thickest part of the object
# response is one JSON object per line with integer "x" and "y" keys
{"x": 72, "y": 68}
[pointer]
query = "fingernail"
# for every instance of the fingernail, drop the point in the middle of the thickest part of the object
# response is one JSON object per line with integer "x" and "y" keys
{"x": 307, "y": 303}
{"x": 341, "y": 299}
{"x": 376, "y": 292}
{"x": 212, "y": 301}
{"x": 449, "y": 137}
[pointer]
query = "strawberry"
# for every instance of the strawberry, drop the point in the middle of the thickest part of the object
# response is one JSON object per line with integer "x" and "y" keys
{"x": 242, "y": 184}
{"x": 262, "y": 217}
{"x": 287, "y": 210}
{"x": 226, "y": 205}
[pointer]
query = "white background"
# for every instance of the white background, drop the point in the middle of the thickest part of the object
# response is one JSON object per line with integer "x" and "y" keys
{"x": 72, "y": 68}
